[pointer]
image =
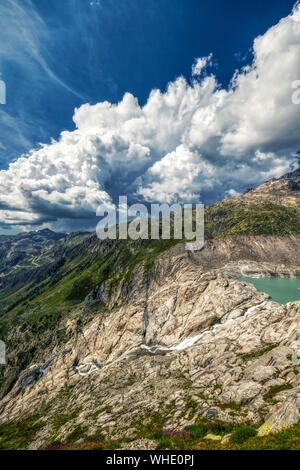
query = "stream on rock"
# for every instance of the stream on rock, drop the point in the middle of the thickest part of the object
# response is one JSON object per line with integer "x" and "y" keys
{"x": 281, "y": 290}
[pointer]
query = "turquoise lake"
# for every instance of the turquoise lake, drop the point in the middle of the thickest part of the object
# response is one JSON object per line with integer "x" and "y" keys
{"x": 281, "y": 290}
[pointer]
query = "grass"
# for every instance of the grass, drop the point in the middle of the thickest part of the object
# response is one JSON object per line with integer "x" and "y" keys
{"x": 230, "y": 218}
{"x": 258, "y": 352}
{"x": 61, "y": 419}
{"x": 272, "y": 392}
{"x": 77, "y": 433}
{"x": 242, "y": 433}
{"x": 243, "y": 437}
{"x": 229, "y": 406}
{"x": 18, "y": 435}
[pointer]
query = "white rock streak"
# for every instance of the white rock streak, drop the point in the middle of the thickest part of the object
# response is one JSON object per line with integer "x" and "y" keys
{"x": 183, "y": 345}
{"x": 190, "y": 341}
{"x": 92, "y": 368}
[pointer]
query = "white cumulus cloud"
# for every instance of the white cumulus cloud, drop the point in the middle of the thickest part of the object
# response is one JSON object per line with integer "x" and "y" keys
{"x": 200, "y": 64}
{"x": 195, "y": 141}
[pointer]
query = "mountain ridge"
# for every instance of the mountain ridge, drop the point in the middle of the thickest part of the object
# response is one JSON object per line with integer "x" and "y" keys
{"x": 118, "y": 312}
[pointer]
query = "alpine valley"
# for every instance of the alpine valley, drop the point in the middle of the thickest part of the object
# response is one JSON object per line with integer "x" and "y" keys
{"x": 144, "y": 345}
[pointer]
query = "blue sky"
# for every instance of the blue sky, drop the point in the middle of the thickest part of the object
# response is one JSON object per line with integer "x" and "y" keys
{"x": 58, "y": 55}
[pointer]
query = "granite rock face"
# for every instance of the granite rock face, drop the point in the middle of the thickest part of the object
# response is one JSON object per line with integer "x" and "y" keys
{"x": 184, "y": 343}
{"x": 286, "y": 415}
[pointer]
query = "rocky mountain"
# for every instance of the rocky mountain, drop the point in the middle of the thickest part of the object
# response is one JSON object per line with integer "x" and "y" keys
{"x": 25, "y": 258}
{"x": 24, "y": 249}
{"x": 143, "y": 344}
{"x": 284, "y": 190}
{"x": 273, "y": 208}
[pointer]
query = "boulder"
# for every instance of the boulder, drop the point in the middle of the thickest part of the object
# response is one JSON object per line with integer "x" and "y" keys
{"x": 285, "y": 416}
{"x": 226, "y": 439}
{"x": 213, "y": 437}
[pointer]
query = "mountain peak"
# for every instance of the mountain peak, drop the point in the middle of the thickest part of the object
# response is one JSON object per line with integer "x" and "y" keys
{"x": 292, "y": 175}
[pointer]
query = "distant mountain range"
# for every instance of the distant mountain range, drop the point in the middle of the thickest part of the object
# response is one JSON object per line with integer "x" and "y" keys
{"x": 14, "y": 249}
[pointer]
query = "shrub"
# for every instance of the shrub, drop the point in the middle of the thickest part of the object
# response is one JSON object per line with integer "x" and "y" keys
{"x": 164, "y": 443}
{"x": 196, "y": 430}
{"x": 242, "y": 433}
